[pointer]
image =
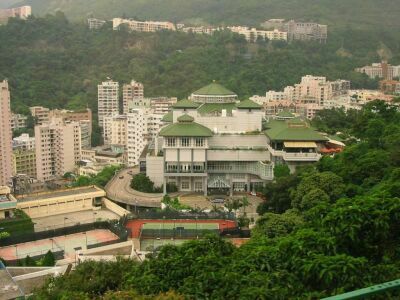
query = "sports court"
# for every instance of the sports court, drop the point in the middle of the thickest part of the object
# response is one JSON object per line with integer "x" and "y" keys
{"x": 68, "y": 243}
{"x": 136, "y": 226}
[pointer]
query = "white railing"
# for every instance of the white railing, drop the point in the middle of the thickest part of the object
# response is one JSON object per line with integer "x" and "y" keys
{"x": 301, "y": 156}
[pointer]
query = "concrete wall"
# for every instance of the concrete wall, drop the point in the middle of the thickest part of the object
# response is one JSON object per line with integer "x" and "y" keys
{"x": 115, "y": 208}
{"x": 155, "y": 169}
{"x": 238, "y": 140}
{"x": 238, "y": 155}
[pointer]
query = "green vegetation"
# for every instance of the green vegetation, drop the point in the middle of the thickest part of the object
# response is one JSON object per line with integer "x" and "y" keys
{"x": 174, "y": 203}
{"x": 54, "y": 63}
{"x": 327, "y": 229}
{"x": 100, "y": 179}
{"x": 142, "y": 183}
{"x": 48, "y": 260}
{"x": 21, "y": 223}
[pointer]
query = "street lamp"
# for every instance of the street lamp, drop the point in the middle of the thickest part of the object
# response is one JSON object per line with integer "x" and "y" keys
{"x": 52, "y": 246}
{"x": 16, "y": 251}
{"x": 197, "y": 235}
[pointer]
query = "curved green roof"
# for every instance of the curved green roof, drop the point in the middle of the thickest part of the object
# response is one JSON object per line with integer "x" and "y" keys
{"x": 186, "y": 104}
{"x": 248, "y": 104}
{"x": 214, "y": 89}
{"x": 185, "y": 118}
{"x": 189, "y": 129}
{"x": 168, "y": 117}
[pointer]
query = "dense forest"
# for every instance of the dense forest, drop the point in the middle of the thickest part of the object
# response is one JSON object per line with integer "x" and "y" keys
{"x": 52, "y": 62}
{"x": 338, "y": 13}
{"x": 327, "y": 229}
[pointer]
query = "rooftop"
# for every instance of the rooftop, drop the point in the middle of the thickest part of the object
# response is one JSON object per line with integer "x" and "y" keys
{"x": 168, "y": 117}
{"x": 214, "y": 89}
{"x": 209, "y": 108}
{"x": 59, "y": 193}
{"x": 292, "y": 130}
{"x": 186, "y": 127}
{"x": 248, "y": 104}
{"x": 186, "y": 104}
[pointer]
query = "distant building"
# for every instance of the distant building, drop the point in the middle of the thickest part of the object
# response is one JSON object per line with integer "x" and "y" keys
{"x": 391, "y": 87}
{"x": 115, "y": 130}
{"x": 111, "y": 155}
{"x": 7, "y": 206}
{"x": 162, "y": 105}
{"x": 253, "y": 34}
{"x": 145, "y": 26}
{"x": 201, "y": 30}
{"x": 24, "y": 142}
{"x": 40, "y": 114}
{"x": 380, "y": 70}
{"x": 5, "y": 135}
{"x": 108, "y": 100}
{"x": 274, "y": 24}
{"x": 58, "y": 148}
{"x": 132, "y": 92}
{"x": 95, "y": 23}
{"x": 306, "y": 31}
{"x": 18, "y": 121}
{"x": 22, "y": 12}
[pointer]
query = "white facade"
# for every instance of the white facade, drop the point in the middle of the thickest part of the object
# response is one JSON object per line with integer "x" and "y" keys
{"x": 58, "y": 148}
{"x": 24, "y": 142}
{"x": 380, "y": 70}
{"x": 108, "y": 100}
{"x": 146, "y": 26}
{"x": 95, "y": 23}
{"x": 142, "y": 127}
{"x": 253, "y": 34}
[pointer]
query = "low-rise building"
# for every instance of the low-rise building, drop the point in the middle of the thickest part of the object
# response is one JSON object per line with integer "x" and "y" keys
{"x": 391, "y": 87}
{"x": 201, "y": 29}
{"x": 94, "y": 23}
{"x": 7, "y": 203}
{"x": 111, "y": 155}
{"x": 24, "y": 142}
{"x": 380, "y": 70}
{"x": 22, "y": 12}
{"x": 18, "y": 121}
{"x": 24, "y": 162}
{"x": 306, "y": 31}
{"x": 143, "y": 26}
{"x": 253, "y": 34}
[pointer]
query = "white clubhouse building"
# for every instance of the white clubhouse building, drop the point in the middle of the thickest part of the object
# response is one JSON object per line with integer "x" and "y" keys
{"x": 222, "y": 147}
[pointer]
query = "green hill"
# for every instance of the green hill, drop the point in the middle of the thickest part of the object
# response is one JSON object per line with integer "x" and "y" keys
{"x": 357, "y": 13}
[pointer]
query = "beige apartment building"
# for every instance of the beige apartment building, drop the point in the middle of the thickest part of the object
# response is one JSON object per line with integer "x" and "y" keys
{"x": 108, "y": 100}
{"x": 5, "y": 135}
{"x": 58, "y": 148}
{"x": 18, "y": 121}
{"x": 115, "y": 130}
{"x": 41, "y": 114}
{"x": 132, "y": 93}
{"x": 22, "y": 12}
{"x": 146, "y": 26}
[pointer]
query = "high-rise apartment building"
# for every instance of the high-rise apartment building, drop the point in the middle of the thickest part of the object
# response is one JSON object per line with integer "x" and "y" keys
{"x": 40, "y": 114}
{"x": 5, "y": 135}
{"x": 108, "y": 100}
{"x": 142, "y": 127}
{"x": 115, "y": 130}
{"x": 145, "y": 26}
{"x": 58, "y": 148}
{"x": 132, "y": 93}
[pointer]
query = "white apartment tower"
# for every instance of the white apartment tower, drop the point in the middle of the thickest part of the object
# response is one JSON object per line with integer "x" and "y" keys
{"x": 108, "y": 100}
{"x": 142, "y": 127}
{"x": 132, "y": 92}
{"x": 5, "y": 135}
{"x": 58, "y": 148}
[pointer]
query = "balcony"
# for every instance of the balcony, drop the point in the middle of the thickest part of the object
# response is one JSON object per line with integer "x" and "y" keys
{"x": 298, "y": 156}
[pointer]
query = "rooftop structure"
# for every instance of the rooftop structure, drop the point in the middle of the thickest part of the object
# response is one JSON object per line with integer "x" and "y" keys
{"x": 213, "y": 93}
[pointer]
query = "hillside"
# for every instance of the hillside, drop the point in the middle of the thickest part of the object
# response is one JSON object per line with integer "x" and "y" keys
{"x": 338, "y": 13}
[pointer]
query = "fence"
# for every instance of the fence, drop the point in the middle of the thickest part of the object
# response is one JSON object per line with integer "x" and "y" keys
{"x": 177, "y": 233}
{"x": 172, "y": 214}
{"x": 14, "y": 262}
{"x": 115, "y": 227}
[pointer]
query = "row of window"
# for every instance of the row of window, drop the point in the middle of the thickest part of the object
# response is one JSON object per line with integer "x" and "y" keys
{"x": 185, "y": 142}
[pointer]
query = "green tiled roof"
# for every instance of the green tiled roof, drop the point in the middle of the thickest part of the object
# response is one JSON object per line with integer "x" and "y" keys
{"x": 248, "y": 104}
{"x": 189, "y": 129}
{"x": 208, "y": 108}
{"x": 186, "y": 104}
{"x": 285, "y": 114}
{"x": 167, "y": 117}
{"x": 185, "y": 118}
{"x": 292, "y": 131}
{"x": 214, "y": 89}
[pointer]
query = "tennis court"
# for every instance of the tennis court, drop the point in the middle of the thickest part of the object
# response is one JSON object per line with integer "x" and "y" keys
{"x": 67, "y": 243}
{"x": 191, "y": 226}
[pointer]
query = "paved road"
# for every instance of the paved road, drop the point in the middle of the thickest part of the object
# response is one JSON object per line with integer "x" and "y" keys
{"x": 119, "y": 190}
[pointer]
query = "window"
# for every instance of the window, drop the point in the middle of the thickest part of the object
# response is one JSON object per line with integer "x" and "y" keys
{"x": 198, "y": 186}
{"x": 185, "y": 142}
{"x": 199, "y": 142}
{"x": 171, "y": 142}
{"x": 185, "y": 185}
